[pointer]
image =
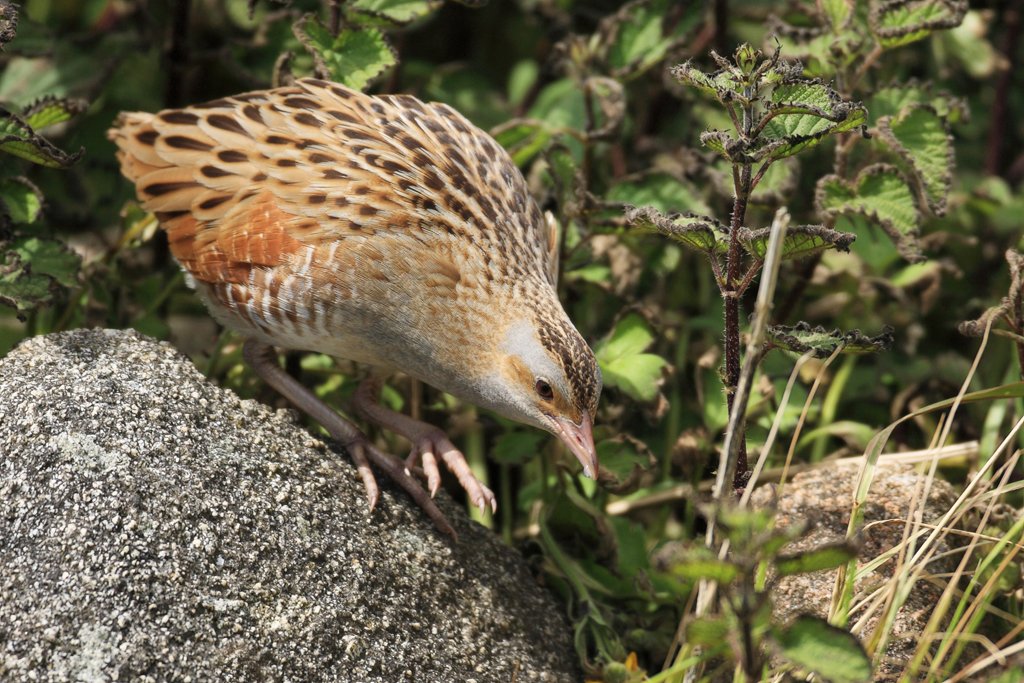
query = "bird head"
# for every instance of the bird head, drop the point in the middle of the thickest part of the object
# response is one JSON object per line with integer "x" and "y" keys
{"x": 550, "y": 379}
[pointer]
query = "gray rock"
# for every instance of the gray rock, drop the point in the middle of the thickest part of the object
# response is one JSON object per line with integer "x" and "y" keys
{"x": 154, "y": 527}
{"x": 823, "y": 497}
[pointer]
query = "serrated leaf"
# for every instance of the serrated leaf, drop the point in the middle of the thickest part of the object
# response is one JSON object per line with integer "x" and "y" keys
{"x": 896, "y": 100}
{"x": 638, "y": 376}
{"x": 922, "y": 139}
{"x": 801, "y": 338}
{"x": 687, "y": 74}
{"x": 18, "y": 138}
{"x": 21, "y": 199}
{"x": 900, "y": 22}
{"x": 879, "y": 193}
{"x": 49, "y": 111}
{"x": 838, "y": 13}
{"x": 523, "y": 139}
{"x": 970, "y": 44}
{"x": 800, "y": 241}
{"x": 816, "y": 559}
{"x": 815, "y": 645}
{"x": 635, "y": 37}
{"x": 354, "y": 57}
{"x": 25, "y": 292}
{"x": 723, "y": 143}
{"x": 624, "y": 363}
{"x": 660, "y": 191}
{"x": 31, "y": 271}
{"x": 691, "y": 230}
{"x": 802, "y": 114}
{"x": 632, "y": 335}
{"x": 399, "y": 12}
{"x": 48, "y": 257}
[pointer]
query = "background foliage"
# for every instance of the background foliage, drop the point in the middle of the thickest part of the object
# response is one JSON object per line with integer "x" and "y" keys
{"x": 582, "y": 95}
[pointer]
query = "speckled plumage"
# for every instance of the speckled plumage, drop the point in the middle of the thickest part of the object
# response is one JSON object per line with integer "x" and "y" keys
{"x": 378, "y": 229}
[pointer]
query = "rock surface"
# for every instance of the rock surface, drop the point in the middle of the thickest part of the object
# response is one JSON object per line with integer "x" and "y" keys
{"x": 823, "y": 497}
{"x": 155, "y": 527}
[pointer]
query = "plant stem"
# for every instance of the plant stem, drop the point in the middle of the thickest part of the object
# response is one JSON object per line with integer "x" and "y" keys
{"x": 1000, "y": 135}
{"x": 728, "y": 469}
{"x": 335, "y": 16}
{"x": 732, "y": 292}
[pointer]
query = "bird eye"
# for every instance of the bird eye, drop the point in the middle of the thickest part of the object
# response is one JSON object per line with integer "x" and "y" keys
{"x": 544, "y": 389}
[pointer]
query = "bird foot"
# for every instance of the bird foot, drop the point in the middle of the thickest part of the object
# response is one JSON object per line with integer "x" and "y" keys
{"x": 428, "y": 444}
{"x": 431, "y": 443}
{"x": 263, "y": 360}
{"x": 363, "y": 452}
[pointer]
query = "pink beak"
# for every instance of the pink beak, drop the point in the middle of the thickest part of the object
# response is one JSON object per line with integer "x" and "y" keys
{"x": 579, "y": 439}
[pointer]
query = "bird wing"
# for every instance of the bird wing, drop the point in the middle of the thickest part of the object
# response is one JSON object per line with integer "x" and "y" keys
{"x": 316, "y": 163}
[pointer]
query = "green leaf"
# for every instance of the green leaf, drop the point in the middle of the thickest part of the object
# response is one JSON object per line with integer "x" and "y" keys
{"x": 801, "y": 114}
{"x": 692, "y": 230}
{"x": 631, "y": 336}
{"x": 18, "y": 138}
{"x": 880, "y": 194}
{"x": 49, "y": 111}
{"x": 399, "y": 12}
{"x": 724, "y": 144}
{"x": 48, "y": 257}
{"x": 562, "y": 177}
{"x": 518, "y": 447}
{"x": 31, "y": 271}
{"x": 623, "y": 363}
{"x": 353, "y": 57}
{"x": 900, "y": 22}
{"x": 897, "y": 100}
{"x": 623, "y": 459}
{"x": 21, "y": 199}
{"x": 777, "y": 184}
{"x": 712, "y": 632}
{"x": 638, "y": 376}
{"x": 921, "y": 138}
{"x": 838, "y": 13}
{"x": 800, "y": 241}
{"x": 721, "y": 85}
{"x": 816, "y": 559}
{"x": 659, "y": 190}
{"x": 523, "y": 138}
{"x": 24, "y": 291}
{"x": 815, "y": 645}
{"x": 521, "y": 80}
{"x": 561, "y": 104}
{"x": 801, "y": 338}
{"x": 635, "y": 36}
{"x": 698, "y": 562}
{"x": 970, "y": 44}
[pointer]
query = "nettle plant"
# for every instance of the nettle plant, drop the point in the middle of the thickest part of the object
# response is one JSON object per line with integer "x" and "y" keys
{"x": 34, "y": 268}
{"x": 776, "y": 113}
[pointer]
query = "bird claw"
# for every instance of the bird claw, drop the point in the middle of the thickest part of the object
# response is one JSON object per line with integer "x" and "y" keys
{"x": 357, "y": 451}
{"x": 425, "y": 450}
{"x": 362, "y": 452}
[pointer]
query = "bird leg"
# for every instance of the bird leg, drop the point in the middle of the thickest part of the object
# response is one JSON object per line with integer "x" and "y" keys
{"x": 428, "y": 442}
{"x": 263, "y": 360}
